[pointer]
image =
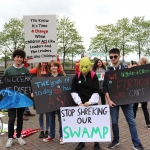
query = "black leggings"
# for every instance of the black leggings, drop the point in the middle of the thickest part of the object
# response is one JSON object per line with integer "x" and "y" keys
{"x": 145, "y": 111}
{"x": 102, "y": 95}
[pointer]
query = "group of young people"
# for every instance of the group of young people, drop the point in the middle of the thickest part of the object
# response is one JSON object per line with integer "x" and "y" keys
{"x": 86, "y": 90}
{"x": 43, "y": 69}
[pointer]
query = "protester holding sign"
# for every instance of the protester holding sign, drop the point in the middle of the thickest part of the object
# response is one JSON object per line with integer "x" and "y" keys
{"x": 17, "y": 69}
{"x": 85, "y": 91}
{"x": 143, "y": 61}
{"x": 54, "y": 66}
{"x": 100, "y": 70}
{"x": 42, "y": 70}
{"x": 114, "y": 55}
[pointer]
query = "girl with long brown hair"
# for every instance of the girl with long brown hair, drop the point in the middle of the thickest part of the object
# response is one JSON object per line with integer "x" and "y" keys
{"x": 42, "y": 70}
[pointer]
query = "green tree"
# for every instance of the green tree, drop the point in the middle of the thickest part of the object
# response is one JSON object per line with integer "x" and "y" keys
{"x": 12, "y": 37}
{"x": 6, "y": 57}
{"x": 67, "y": 38}
{"x": 140, "y": 35}
{"x": 76, "y": 49}
{"x": 124, "y": 28}
{"x": 101, "y": 42}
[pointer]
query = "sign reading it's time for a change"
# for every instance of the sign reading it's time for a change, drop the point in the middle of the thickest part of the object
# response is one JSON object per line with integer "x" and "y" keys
{"x": 86, "y": 124}
{"x": 40, "y": 38}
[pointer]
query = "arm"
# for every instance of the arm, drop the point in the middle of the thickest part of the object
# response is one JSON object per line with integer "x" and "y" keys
{"x": 33, "y": 71}
{"x": 106, "y": 91}
{"x": 74, "y": 92}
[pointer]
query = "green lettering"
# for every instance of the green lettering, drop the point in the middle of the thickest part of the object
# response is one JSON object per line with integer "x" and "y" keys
{"x": 85, "y": 131}
{"x": 95, "y": 131}
{"x": 67, "y": 134}
{"x": 73, "y": 133}
{"x": 105, "y": 131}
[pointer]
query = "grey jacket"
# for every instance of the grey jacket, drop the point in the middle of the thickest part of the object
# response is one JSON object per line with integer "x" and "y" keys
{"x": 100, "y": 74}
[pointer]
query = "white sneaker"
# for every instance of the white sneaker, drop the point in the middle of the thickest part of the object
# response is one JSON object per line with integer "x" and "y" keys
{"x": 61, "y": 141}
{"x": 20, "y": 141}
{"x": 9, "y": 142}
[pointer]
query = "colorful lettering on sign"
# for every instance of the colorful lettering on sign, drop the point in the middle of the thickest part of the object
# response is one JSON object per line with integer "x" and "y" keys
{"x": 81, "y": 133}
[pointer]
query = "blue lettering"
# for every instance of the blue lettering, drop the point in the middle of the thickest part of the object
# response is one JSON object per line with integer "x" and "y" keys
{"x": 65, "y": 88}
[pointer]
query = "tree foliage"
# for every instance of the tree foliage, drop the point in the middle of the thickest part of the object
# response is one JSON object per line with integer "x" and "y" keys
{"x": 12, "y": 37}
{"x": 127, "y": 35}
{"x": 68, "y": 39}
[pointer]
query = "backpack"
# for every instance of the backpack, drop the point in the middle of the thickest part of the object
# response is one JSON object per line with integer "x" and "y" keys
{"x": 92, "y": 74}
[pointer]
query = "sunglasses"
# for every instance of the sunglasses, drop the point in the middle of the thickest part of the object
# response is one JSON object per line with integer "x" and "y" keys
{"x": 111, "y": 57}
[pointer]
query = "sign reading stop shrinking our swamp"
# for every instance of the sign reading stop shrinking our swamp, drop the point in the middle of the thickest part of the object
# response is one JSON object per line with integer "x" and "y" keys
{"x": 127, "y": 86}
{"x": 40, "y": 38}
{"x": 86, "y": 124}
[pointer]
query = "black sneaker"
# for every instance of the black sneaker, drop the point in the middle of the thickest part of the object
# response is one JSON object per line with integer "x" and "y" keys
{"x": 80, "y": 146}
{"x": 97, "y": 146}
{"x": 148, "y": 126}
{"x": 139, "y": 147}
{"x": 41, "y": 134}
{"x": 113, "y": 144}
{"x": 46, "y": 134}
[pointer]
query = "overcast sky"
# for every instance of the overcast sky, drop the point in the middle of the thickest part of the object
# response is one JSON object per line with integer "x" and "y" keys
{"x": 85, "y": 13}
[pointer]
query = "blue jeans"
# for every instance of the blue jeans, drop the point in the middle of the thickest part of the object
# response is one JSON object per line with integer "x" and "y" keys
{"x": 41, "y": 121}
{"x": 52, "y": 123}
{"x": 129, "y": 115}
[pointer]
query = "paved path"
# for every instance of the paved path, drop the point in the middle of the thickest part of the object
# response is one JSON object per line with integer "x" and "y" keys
{"x": 34, "y": 143}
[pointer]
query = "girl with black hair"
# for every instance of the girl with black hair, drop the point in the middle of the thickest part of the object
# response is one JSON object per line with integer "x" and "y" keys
{"x": 100, "y": 70}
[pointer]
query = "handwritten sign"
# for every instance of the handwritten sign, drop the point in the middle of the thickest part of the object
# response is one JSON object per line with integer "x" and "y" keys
{"x": 17, "y": 83}
{"x": 81, "y": 123}
{"x": 100, "y": 76}
{"x": 52, "y": 93}
{"x": 128, "y": 86}
{"x": 40, "y": 38}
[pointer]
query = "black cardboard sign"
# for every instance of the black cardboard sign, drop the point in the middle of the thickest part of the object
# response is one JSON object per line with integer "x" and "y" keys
{"x": 51, "y": 93}
{"x": 128, "y": 86}
{"x": 18, "y": 83}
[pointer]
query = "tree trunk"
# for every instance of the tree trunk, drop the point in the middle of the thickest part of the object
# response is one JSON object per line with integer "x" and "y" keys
{"x": 5, "y": 62}
{"x": 123, "y": 54}
{"x": 72, "y": 60}
{"x": 64, "y": 58}
{"x": 139, "y": 51}
{"x": 106, "y": 50}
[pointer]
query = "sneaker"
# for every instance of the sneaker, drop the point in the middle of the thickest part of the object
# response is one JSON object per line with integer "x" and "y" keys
{"x": 25, "y": 118}
{"x": 29, "y": 114}
{"x": 48, "y": 139}
{"x": 113, "y": 144}
{"x": 61, "y": 141}
{"x": 97, "y": 146}
{"x": 46, "y": 134}
{"x": 9, "y": 142}
{"x": 80, "y": 146}
{"x": 41, "y": 134}
{"x": 148, "y": 126}
{"x": 20, "y": 141}
{"x": 139, "y": 147}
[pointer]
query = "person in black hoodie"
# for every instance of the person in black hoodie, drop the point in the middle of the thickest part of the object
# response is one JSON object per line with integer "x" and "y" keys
{"x": 114, "y": 55}
{"x": 85, "y": 91}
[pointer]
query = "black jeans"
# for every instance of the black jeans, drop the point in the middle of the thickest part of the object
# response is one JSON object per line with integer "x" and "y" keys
{"x": 102, "y": 95}
{"x": 145, "y": 111}
{"x": 11, "y": 121}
